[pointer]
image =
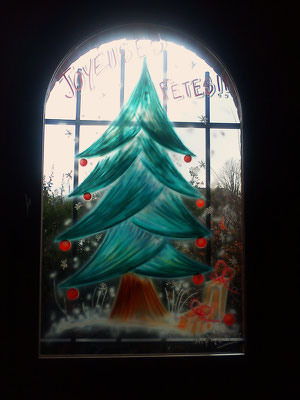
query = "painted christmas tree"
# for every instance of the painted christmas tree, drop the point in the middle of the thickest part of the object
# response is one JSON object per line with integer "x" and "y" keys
{"x": 141, "y": 210}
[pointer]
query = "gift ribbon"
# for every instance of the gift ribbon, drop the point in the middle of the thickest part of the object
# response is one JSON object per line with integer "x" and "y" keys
{"x": 222, "y": 278}
{"x": 202, "y": 311}
{"x": 222, "y": 225}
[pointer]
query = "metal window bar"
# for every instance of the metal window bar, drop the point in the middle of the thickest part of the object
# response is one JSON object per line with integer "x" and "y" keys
{"x": 207, "y": 125}
{"x": 176, "y": 124}
{"x": 207, "y": 165}
{"x": 122, "y": 78}
{"x": 76, "y": 149}
{"x": 165, "y": 70}
{"x": 77, "y": 134}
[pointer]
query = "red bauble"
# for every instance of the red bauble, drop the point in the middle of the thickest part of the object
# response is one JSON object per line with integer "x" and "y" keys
{"x": 187, "y": 158}
{"x": 198, "y": 279}
{"x": 83, "y": 162}
{"x": 201, "y": 243}
{"x": 87, "y": 196}
{"x": 72, "y": 294}
{"x": 65, "y": 245}
{"x": 229, "y": 319}
{"x": 200, "y": 203}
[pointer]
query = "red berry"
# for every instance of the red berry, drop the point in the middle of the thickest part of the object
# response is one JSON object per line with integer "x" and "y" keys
{"x": 200, "y": 203}
{"x": 65, "y": 245}
{"x": 228, "y": 319}
{"x": 87, "y": 196}
{"x": 198, "y": 279}
{"x": 72, "y": 294}
{"x": 187, "y": 158}
{"x": 201, "y": 242}
{"x": 83, "y": 162}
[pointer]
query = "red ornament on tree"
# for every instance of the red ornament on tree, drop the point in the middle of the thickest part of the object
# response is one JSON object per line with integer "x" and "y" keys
{"x": 198, "y": 279}
{"x": 187, "y": 158}
{"x": 65, "y": 245}
{"x": 201, "y": 242}
{"x": 229, "y": 319}
{"x": 87, "y": 196}
{"x": 83, "y": 162}
{"x": 72, "y": 294}
{"x": 200, "y": 203}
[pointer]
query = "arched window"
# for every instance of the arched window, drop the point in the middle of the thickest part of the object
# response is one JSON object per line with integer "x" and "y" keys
{"x": 142, "y": 237}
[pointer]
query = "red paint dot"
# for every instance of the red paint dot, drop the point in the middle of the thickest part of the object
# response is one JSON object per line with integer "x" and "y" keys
{"x": 83, "y": 162}
{"x": 200, "y": 203}
{"x": 72, "y": 294}
{"x": 87, "y": 196}
{"x": 229, "y": 319}
{"x": 198, "y": 279}
{"x": 65, "y": 245}
{"x": 187, "y": 158}
{"x": 201, "y": 243}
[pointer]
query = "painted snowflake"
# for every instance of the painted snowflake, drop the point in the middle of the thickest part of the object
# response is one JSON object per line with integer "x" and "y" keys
{"x": 69, "y": 175}
{"x": 68, "y": 133}
{"x": 77, "y": 206}
{"x": 64, "y": 263}
{"x": 233, "y": 261}
{"x": 203, "y": 119}
{"x": 209, "y": 210}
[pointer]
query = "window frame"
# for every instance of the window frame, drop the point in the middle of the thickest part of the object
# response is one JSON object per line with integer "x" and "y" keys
{"x": 208, "y": 125}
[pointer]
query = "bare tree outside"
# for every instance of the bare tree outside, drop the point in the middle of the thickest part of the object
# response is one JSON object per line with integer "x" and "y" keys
{"x": 230, "y": 177}
{"x": 227, "y": 196}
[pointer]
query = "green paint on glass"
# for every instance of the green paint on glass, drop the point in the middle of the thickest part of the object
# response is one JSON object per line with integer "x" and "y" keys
{"x": 143, "y": 207}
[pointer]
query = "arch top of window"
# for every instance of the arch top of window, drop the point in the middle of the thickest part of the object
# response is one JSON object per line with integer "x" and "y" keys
{"x": 138, "y": 33}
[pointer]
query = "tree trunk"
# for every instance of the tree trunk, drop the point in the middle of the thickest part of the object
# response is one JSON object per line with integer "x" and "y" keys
{"x": 137, "y": 300}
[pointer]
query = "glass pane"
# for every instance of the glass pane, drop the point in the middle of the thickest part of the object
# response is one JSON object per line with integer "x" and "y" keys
{"x": 225, "y": 145}
{"x": 62, "y": 100}
{"x": 58, "y": 169}
{"x": 226, "y": 219}
{"x": 193, "y": 171}
{"x": 185, "y": 74}
{"x": 222, "y": 107}
{"x": 102, "y": 82}
{"x": 88, "y": 135}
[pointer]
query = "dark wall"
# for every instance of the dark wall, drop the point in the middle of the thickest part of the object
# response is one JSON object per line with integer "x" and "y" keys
{"x": 249, "y": 38}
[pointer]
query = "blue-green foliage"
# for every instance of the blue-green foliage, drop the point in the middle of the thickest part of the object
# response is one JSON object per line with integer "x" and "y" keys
{"x": 169, "y": 263}
{"x": 119, "y": 133}
{"x": 152, "y": 117}
{"x": 145, "y": 111}
{"x": 167, "y": 216}
{"x": 132, "y": 192}
{"x": 124, "y": 248}
{"x": 127, "y": 248}
{"x": 107, "y": 171}
{"x": 158, "y": 162}
{"x": 143, "y": 207}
